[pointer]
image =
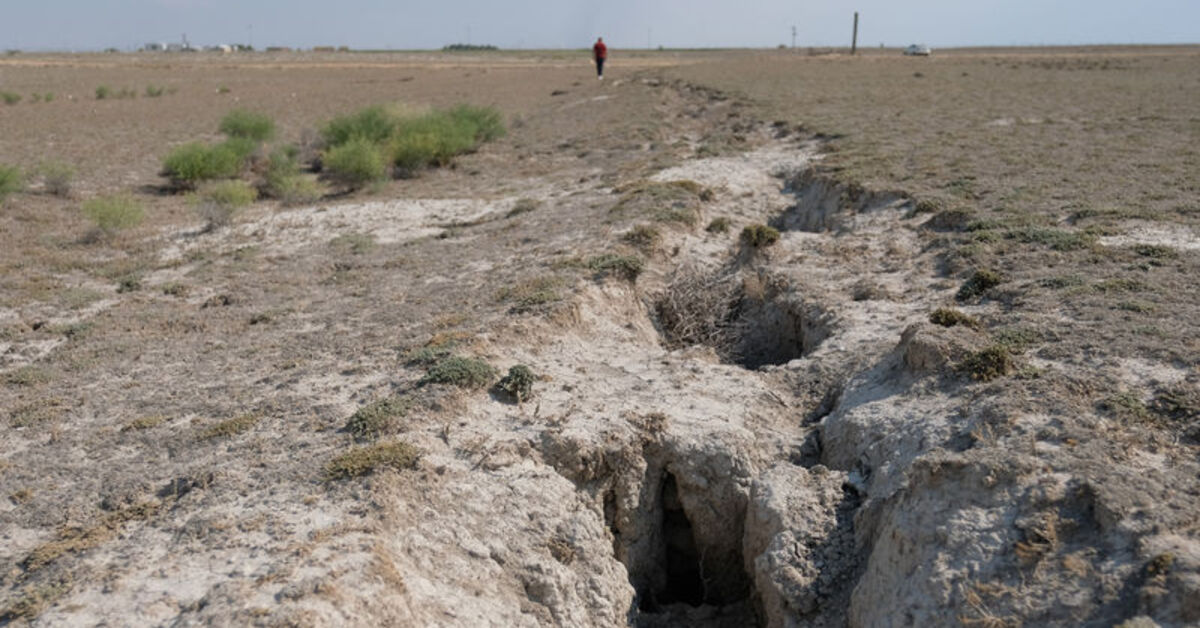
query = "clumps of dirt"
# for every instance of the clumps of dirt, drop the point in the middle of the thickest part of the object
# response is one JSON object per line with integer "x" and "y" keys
{"x": 748, "y": 318}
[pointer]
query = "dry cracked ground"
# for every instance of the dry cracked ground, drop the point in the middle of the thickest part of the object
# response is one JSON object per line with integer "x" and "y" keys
{"x": 812, "y": 341}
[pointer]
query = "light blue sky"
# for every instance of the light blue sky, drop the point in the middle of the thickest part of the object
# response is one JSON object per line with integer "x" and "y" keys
{"x": 95, "y": 24}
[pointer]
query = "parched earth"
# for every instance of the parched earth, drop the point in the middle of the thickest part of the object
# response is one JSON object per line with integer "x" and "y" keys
{"x": 719, "y": 433}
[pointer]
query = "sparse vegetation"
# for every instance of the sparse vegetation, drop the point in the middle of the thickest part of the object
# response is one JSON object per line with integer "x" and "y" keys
{"x": 56, "y": 177}
{"x": 30, "y": 375}
{"x": 518, "y": 383}
{"x": 662, "y": 201}
{"x": 360, "y": 461}
{"x": 112, "y": 214}
{"x": 355, "y": 243}
{"x": 10, "y": 98}
{"x": 718, "y": 225}
{"x": 531, "y": 294}
{"x": 230, "y": 427}
{"x": 154, "y": 91}
{"x": 645, "y": 237}
{"x": 990, "y": 363}
{"x": 627, "y": 267}
{"x": 356, "y": 163}
{"x": 1126, "y": 406}
{"x": 979, "y": 283}
{"x": 949, "y": 317}
{"x": 247, "y": 124}
{"x": 377, "y": 418}
{"x": 414, "y": 141}
{"x": 470, "y": 373}
{"x": 759, "y": 236}
{"x": 190, "y": 164}
{"x": 11, "y": 181}
{"x": 284, "y": 181}
{"x": 144, "y": 423}
{"x": 218, "y": 201}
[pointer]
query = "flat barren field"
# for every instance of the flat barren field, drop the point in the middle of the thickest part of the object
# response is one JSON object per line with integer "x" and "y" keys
{"x": 728, "y": 338}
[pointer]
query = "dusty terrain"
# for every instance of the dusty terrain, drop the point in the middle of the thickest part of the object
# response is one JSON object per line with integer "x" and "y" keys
{"x": 737, "y": 435}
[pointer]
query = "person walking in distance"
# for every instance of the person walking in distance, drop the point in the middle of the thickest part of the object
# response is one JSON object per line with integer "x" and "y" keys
{"x": 599, "y": 54}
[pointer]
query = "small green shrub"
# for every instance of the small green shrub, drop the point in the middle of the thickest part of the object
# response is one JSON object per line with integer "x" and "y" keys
{"x": 518, "y": 383}
{"x": 230, "y": 427}
{"x": 355, "y": 163}
{"x": 361, "y": 461}
{"x": 48, "y": 97}
{"x": 218, "y": 201}
{"x": 718, "y": 225}
{"x": 414, "y": 151}
{"x": 191, "y": 164}
{"x": 759, "y": 236}
{"x": 103, "y": 92}
{"x": 484, "y": 123}
{"x": 988, "y": 364}
{"x": 377, "y": 418}
{"x": 11, "y": 181}
{"x": 463, "y": 372}
{"x": 10, "y": 98}
{"x": 979, "y": 282}
{"x": 114, "y": 213}
{"x": 298, "y": 190}
{"x": 627, "y": 267}
{"x": 413, "y": 141}
{"x": 947, "y": 317}
{"x": 242, "y": 147}
{"x": 57, "y": 176}
{"x": 374, "y": 124}
{"x": 644, "y": 237}
{"x": 250, "y": 125}
{"x": 154, "y": 91}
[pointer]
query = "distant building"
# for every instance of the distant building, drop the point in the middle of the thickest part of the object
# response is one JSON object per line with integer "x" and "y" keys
{"x": 155, "y": 47}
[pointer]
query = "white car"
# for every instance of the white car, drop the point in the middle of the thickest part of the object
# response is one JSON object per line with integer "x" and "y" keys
{"x": 918, "y": 50}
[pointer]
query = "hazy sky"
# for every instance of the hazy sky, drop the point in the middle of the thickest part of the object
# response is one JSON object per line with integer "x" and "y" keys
{"x": 94, "y": 24}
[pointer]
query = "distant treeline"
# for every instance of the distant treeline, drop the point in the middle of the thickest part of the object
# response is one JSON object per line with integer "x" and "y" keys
{"x": 469, "y": 47}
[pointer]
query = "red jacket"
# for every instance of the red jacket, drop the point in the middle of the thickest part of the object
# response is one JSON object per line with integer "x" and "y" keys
{"x": 600, "y": 51}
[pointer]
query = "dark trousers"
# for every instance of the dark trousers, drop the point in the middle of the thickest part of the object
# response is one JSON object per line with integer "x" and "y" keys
{"x": 599, "y": 67}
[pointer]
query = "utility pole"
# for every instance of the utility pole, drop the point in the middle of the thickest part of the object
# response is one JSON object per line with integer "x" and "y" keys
{"x": 793, "y": 37}
{"x": 854, "y": 41}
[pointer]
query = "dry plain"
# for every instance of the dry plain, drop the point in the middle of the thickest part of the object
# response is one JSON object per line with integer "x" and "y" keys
{"x": 960, "y": 388}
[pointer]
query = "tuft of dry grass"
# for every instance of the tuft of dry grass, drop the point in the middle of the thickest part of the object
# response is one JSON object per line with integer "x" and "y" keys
{"x": 230, "y": 427}
{"x": 360, "y": 461}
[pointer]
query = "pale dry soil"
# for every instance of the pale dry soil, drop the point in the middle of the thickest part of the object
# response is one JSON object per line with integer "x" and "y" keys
{"x": 801, "y": 447}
